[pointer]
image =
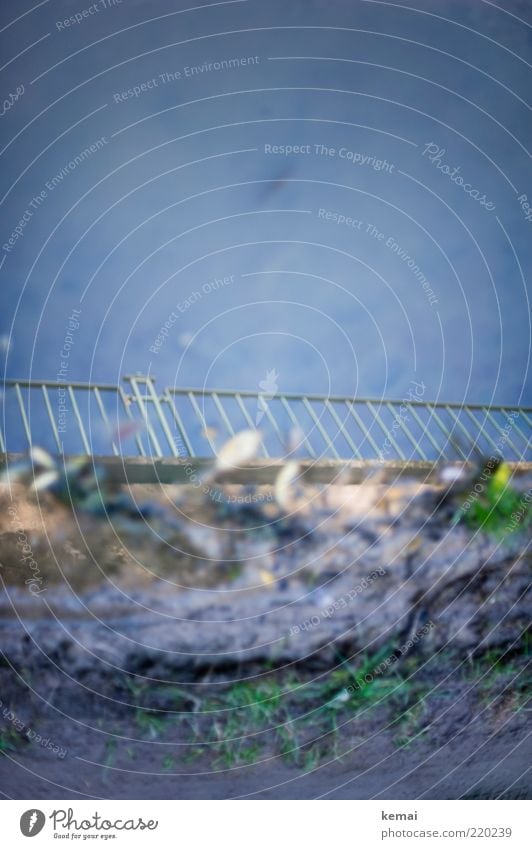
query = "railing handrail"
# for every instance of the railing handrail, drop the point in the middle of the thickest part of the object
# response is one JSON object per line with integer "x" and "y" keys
{"x": 76, "y": 384}
{"x": 248, "y": 393}
{"x": 137, "y": 420}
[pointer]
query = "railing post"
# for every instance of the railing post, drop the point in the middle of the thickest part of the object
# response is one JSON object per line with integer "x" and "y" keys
{"x": 134, "y": 381}
{"x": 161, "y": 416}
{"x": 183, "y": 435}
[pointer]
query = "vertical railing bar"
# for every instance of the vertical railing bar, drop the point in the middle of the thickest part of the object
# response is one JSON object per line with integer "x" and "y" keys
{"x": 131, "y": 417}
{"x": 245, "y": 413}
{"x": 104, "y": 418}
{"x": 480, "y": 428}
{"x": 488, "y": 438}
{"x": 143, "y": 408}
{"x": 249, "y": 420}
{"x": 343, "y": 430}
{"x": 161, "y": 416}
{"x": 444, "y": 430}
{"x": 387, "y": 432}
{"x": 202, "y": 421}
{"x": 23, "y": 413}
{"x": 317, "y": 422}
{"x": 426, "y": 432}
{"x": 52, "y": 420}
{"x": 498, "y": 429}
{"x": 179, "y": 422}
{"x": 77, "y": 414}
{"x": 527, "y": 441}
{"x": 273, "y": 423}
{"x": 519, "y": 431}
{"x": 365, "y": 432}
{"x": 472, "y": 440}
{"x": 526, "y": 417}
{"x": 225, "y": 419}
{"x": 406, "y": 430}
{"x": 295, "y": 421}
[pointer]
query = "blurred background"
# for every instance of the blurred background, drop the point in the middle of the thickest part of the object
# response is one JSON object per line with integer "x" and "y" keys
{"x": 335, "y": 191}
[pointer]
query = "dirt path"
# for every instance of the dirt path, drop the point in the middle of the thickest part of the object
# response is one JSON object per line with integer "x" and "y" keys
{"x": 442, "y": 729}
{"x": 473, "y": 765}
{"x": 285, "y": 663}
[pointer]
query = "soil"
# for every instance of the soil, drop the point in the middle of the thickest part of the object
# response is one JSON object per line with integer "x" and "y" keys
{"x": 214, "y": 662}
{"x": 470, "y": 740}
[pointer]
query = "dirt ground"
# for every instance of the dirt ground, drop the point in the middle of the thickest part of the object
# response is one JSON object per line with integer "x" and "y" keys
{"x": 124, "y": 677}
{"x": 470, "y": 738}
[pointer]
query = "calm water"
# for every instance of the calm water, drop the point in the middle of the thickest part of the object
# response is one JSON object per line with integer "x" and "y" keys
{"x": 334, "y": 191}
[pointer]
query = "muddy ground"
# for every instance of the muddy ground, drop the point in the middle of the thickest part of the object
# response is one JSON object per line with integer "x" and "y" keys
{"x": 354, "y": 646}
{"x": 455, "y": 729}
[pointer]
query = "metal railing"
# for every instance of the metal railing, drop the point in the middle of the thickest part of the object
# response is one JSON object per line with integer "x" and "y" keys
{"x": 137, "y": 420}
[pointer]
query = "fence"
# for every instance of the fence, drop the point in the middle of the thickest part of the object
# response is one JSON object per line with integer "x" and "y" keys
{"x": 136, "y": 422}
